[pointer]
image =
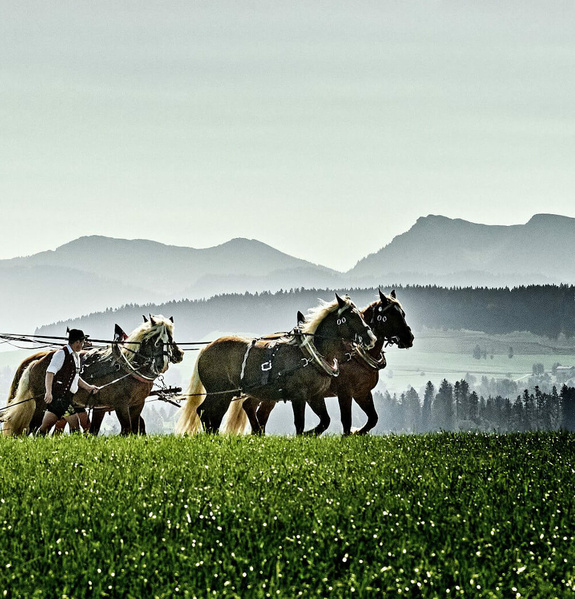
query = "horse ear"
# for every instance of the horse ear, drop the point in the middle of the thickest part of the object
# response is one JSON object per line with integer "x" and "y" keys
{"x": 171, "y": 319}
{"x": 152, "y": 321}
{"x": 145, "y": 319}
{"x": 392, "y": 293}
{"x": 342, "y": 303}
{"x": 382, "y": 298}
{"x": 67, "y": 330}
{"x": 119, "y": 334}
{"x": 300, "y": 317}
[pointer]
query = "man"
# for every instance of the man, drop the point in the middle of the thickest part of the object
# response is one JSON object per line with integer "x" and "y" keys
{"x": 62, "y": 381}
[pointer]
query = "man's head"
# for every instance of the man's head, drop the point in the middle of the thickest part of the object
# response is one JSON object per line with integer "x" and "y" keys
{"x": 76, "y": 336}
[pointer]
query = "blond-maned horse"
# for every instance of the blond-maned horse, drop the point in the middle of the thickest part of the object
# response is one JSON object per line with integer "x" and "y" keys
{"x": 298, "y": 368}
{"x": 125, "y": 372}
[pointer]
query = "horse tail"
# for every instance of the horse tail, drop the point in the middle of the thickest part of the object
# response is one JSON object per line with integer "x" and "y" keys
{"x": 235, "y": 420}
{"x": 20, "y": 410}
{"x": 14, "y": 386}
{"x": 189, "y": 422}
{"x": 20, "y": 371}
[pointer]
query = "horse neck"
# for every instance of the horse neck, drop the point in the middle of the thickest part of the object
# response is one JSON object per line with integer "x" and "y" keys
{"x": 368, "y": 315}
{"x": 327, "y": 340}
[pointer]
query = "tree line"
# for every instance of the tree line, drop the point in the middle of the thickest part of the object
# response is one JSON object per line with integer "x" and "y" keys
{"x": 545, "y": 310}
{"x": 459, "y": 407}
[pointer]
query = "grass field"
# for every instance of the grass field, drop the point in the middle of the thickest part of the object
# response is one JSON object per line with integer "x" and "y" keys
{"x": 417, "y": 516}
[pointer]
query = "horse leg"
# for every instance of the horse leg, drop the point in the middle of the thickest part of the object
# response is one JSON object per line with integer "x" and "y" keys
{"x": 344, "y": 398}
{"x": 366, "y": 404}
{"x": 250, "y": 407}
{"x": 317, "y": 404}
{"x": 264, "y": 411}
{"x": 97, "y": 419}
{"x": 138, "y": 424}
{"x": 84, "y": 419}
{"x": 36, "y": 422}
{"x": 123, "y": 414}
{"x": 298, "y": 407}
{"x": 213, "y": 410}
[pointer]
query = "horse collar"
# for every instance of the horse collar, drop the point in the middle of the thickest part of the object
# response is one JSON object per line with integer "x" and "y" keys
{"x": 373, "y": 363}
{"x": 313, "y": 356}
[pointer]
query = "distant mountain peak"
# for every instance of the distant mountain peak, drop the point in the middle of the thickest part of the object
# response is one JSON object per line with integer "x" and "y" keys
{"x": 438, "y": 248}
{"x": 550, "y": 219}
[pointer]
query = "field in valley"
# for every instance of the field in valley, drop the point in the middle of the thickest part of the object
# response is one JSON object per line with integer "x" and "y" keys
{"x": 436, "y": 355}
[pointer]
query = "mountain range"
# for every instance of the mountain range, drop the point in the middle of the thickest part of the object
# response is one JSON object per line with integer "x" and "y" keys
{"x": 454, "y": 252}
{"x": 97, "y": 273}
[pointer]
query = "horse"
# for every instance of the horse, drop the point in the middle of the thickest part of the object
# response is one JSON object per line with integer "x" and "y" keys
{"x": 298, "y": 368}
{"x": 359, "y": 373}
{"x": 95, "y": 423}
{"x": 125, "y": 375}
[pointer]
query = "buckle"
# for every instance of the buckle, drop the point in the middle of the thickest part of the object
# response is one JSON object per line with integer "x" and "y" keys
{"x": 267, "y": 366}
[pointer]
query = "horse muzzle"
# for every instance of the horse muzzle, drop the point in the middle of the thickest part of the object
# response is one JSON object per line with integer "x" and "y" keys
{"x": 404, "y": 343}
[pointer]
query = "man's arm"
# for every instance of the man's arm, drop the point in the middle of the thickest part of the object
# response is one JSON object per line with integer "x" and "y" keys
{"x": 48, "y": 382}
{"x": 55, "y": 364}
{"x": 84, "y": 385}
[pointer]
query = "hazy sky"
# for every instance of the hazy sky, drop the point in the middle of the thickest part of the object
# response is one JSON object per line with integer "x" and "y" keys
{"x": 321, "y": 128}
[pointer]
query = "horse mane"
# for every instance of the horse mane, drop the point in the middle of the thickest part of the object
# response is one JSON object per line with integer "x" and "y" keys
{"x": 316, "y": 315}
{"x": 145, "y": 331}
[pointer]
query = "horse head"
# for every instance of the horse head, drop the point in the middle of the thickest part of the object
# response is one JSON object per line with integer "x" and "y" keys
{"x": 387, "y": 319}
{"x": 152, "y": 345}
{"x": 340, "y": 320}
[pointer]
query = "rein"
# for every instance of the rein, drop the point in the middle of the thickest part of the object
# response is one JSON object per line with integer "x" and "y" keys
{"x": 35, "y": 397}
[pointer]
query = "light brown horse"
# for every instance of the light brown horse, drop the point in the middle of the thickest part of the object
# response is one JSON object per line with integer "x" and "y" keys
{"x": 359, "y": 373}
{"x": 125, "y": 375}
{"x": 298, "y": 368}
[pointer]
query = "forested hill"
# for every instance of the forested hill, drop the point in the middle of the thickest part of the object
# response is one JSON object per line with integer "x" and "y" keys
{"x": 547, "y": 310}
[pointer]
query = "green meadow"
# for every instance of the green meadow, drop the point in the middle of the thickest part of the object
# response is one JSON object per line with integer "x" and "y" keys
{"x": 441, "y": 515}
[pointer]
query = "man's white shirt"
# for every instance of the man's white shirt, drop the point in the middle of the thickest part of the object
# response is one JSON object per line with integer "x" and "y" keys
{"x": 58, "y": 361}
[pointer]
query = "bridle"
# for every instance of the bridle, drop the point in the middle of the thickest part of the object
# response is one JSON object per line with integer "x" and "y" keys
{"x": 379, "y": 316}
{"x": 147, "y": 371}
{"x": 312, "y": 355}
{"x": 342, "y": 320}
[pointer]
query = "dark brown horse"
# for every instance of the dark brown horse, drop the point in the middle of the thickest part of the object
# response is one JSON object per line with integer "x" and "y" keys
{"x": 298, "y": 368}
{"x": 124, "y": 374}
{"x": 359, "y": 373}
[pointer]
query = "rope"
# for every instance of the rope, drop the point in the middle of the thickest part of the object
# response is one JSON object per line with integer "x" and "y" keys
{"x": 49, "y": 341}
